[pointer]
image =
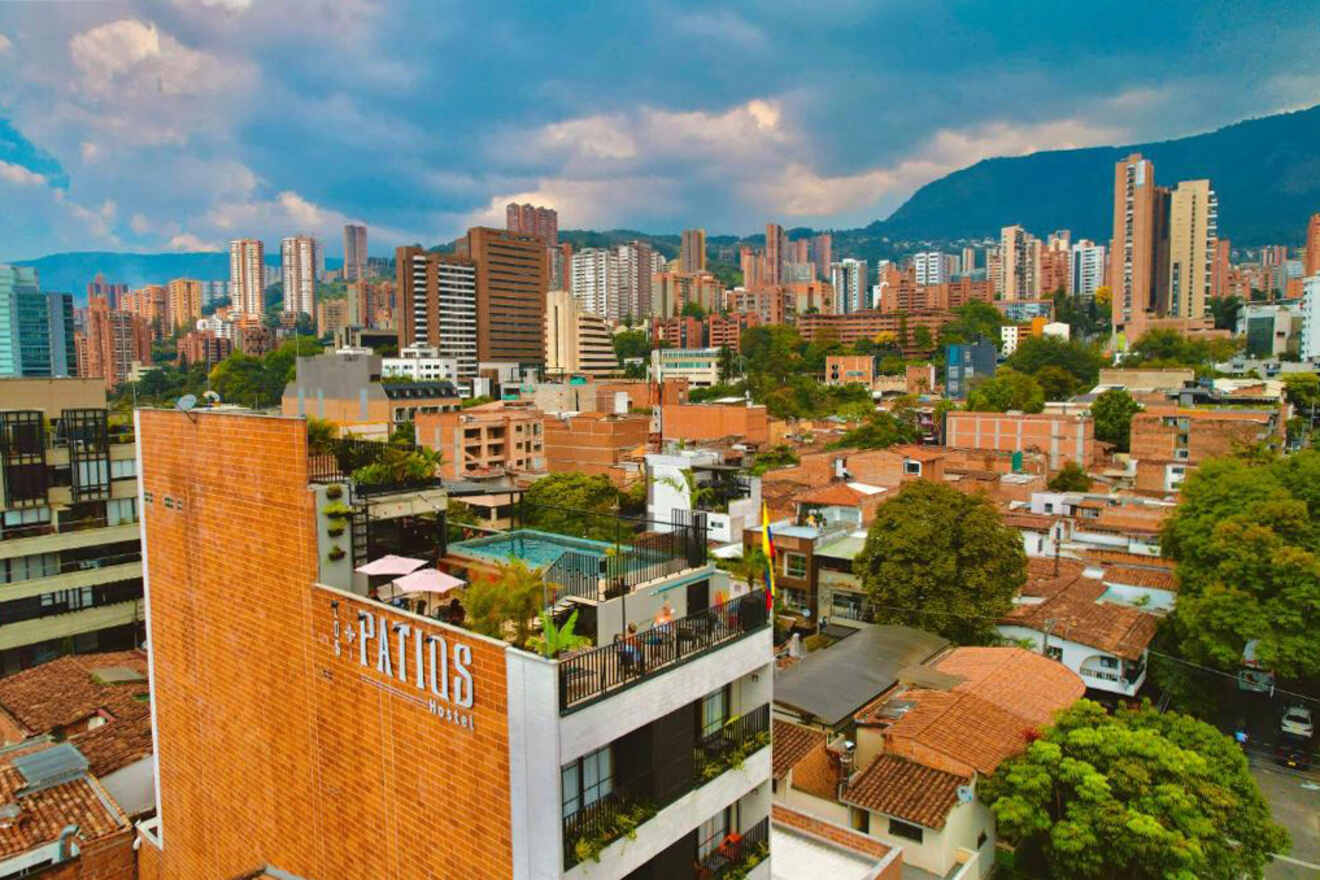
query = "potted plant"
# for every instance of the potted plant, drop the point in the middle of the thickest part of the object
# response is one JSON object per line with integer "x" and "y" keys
{"x": 336, "y": 553}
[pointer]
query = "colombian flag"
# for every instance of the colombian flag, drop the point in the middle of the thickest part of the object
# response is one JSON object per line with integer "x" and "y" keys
{"x": 768, "y": 547}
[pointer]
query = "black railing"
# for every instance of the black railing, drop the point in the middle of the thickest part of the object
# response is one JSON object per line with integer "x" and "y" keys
{"x": 374, "y": 466}
{"x": 737, "y": 852}
{"x": 575, "y": 574}
{"x": 732, "y": 743}
{"x": 586, "y": 677}
{"x": 62, "y": 527}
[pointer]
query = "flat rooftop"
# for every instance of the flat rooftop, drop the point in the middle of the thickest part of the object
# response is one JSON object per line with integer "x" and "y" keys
{"x": 797, "y": 856}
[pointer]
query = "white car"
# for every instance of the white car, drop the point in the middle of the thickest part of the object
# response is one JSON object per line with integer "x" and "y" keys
{"x": 1297, "y": 721}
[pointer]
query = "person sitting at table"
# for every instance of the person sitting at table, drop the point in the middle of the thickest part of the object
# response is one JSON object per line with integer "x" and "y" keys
{"x": 666, "y": 614}
{"x": 630, "y": 655}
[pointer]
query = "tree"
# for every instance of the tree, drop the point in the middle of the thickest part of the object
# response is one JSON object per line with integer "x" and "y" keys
{"x": 1056, "y": 382}
{"x": 879, "y": 431}
{"x": 1007, "y": 390}
{"x": 504, "y": 605}
{"x": 1113, "y": 411}
{"x": 776, "y": 457}
{"x": 973, "y": 321}
{"x": 631, "y": 344}
{"x": 922, "y": 339}
{"x": 573, "y": 503}
{"x": 1071, "y": 478}
{"x": 1225, "y": 311}
{"x": 693, "y": 309}
{"x": 1246, "y": 538}
{"x": 726, "y": 365}
{"x": 1137, "y": 795}
{"x": 1081, "y": 361}
{"x": 942, "y": 560}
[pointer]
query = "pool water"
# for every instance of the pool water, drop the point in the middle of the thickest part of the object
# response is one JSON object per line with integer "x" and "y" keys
{"x": 537, "y": 549}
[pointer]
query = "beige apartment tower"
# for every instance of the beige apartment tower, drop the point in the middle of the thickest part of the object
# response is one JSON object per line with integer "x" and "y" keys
{"x": 1138, "y": 268}
{"x": 576, "y": 342}
{"x": 247, "y": 275}
{"x": 1019, "y": 263}
{"x": 1193, "y": 230}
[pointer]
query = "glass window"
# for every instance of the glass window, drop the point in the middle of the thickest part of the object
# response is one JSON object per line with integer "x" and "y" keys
{"x": 123, "y": 467}
{"x": 899, "y": 828}
{"x": 712, "y": 833}
{"x": 714, "y": 712}
{"x": 119, "y": 511}
{"x": 571, "y": 786}
{"x": 795, "y": 565}
{"x": 586, "y": 780}
{"x": 912, "y": 468}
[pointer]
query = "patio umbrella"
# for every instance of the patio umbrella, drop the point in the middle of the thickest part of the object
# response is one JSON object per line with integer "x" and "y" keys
{"x": 428, "y": 580}
{"x": 392, "y": 565}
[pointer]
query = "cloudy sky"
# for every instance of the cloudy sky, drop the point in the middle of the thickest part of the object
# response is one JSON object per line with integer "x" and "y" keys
{"x": 176, "y": 125}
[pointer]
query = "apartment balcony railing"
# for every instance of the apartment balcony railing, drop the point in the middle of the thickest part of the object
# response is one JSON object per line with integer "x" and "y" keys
{"x": 599, "y": 672}
{"x": 59, "y": 527}
{"x": 633, "y": 799}
{"x": 737, "y": 853}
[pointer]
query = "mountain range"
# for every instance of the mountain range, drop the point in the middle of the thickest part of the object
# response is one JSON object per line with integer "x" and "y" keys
{"x": 1266, "y": 172}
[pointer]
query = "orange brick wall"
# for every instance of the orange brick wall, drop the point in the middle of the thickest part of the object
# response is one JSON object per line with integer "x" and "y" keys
{"x": 698, "y": 422}
{"x": 590, "y": 443}
{"x": 110, "y": 858}
{"x": 271, "y": 749}
{"x": 1042, "y": 433}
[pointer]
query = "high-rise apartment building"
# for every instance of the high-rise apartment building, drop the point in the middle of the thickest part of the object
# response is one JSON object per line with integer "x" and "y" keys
{"x": 542, "y": 223}
{"x": 930, "y": 267}
{"x": 60, "y": 331}
{"x": 968, "y": 263}
{"x": 1019, "y": 264}
{"x": 638, "y": 263}
{"x": 69, "y": 548}
{"x": 1310, "y": 335}
{"x": 1193, "y": 229}
{"x": 511, "y": 289}
{"x": 98, "y": 286}
{"x": 355, "y": 252}
{"x": 594, "y": 281}
{"x": 848, "y": 278}
{"x": 185, "y": 302}
{"x": 1222, "y": 270}
{"x": 247, "y": 276}
{"x": 115, "y": 340}
{"x": 437, "y": 295}
{"x": 750, "y": 263}
{"x": 576, "y": 342}
{"x": 300, "y": 257}
{"x": 994, "y": 271}
{"x": 1140, "y": 243}
{"x": 692, "y": 251}
{"x": 776, "y": 243}
{"x": 671, "y": 291}
{"x": 821, "y": 252}
{"x": 1088, "y": 269}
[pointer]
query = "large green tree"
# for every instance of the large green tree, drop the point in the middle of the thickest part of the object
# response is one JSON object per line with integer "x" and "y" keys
{"x": 572, "y": 503}
{"x": 1137, "y": 795}
{"x": 1113, "y": 411}
{"x": 1007, "y": 389}
{"x": 942, "y": 560}
{"x": 879, "y": 430}
{"x": 1246, "y": 537}
{"x": 1081, "y": 361}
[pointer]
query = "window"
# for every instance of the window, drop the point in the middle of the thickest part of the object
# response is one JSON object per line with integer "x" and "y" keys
{"x": 899, "y": 828}
{"x": 795, "y": 565}
{"x": 26, "y": 568}
{"x": 122, "y": 468}
{"x": 714, "y": 712}
{"x": 1109, "y": 662}
{"x": 587, "y": 780}
{"x": 911, "y": 468}
{"x": 120, "y": 511}
{"x": 712, "y": 833}
{"x": 1054, "y": 652}
{"x": 860, "y": 820}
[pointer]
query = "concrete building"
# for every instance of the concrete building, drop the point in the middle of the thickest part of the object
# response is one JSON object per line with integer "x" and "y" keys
{"x": 671, "y": 291}
{"x": 595, "y": 282}
{"x": 1019, "y": 264}
{"x": 848, "y": 277}
{"x": 421, "y": 363}
{"x": 1087, "y": 269}
{"x": 1310, "y": 333}
{"x": 930, "y": 268}
{"x": 438, "y": 305}
{"x": 532, "y": 220}
{"x": 692, "y": 251}
{"x": 345, "y": 388}
{"x": 697, "y": 481}
{"x": 70, "y": 569}
{"x": 98, "y": 286}
{"x": 1272, "y": 330}
{"x": 301, "y": 257}
{"x": 964, "y": 363}
{"x": 247, "y": 276}
{"x": 576, "y": 342}
{"x": 1063, "y": 438}
{"x": 595, "y": 443}
{"x": 185, "y": 302}
{"x": 115, "y": 340}
{"x": 1138, "y": 269}
{"x": 355, "y": 252}
{"x": 699, "y": 366}
{"x": 1193, "y": 230}
{"x": 331, "y": 316}
{"x": 24, "y": 324}
{"x": 511, "y": 288}
{"x": 528, "y": 760}
{"x": 493, "y": 437}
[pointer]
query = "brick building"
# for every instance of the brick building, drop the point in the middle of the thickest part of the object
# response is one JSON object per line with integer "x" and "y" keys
{"x": 341, "y": 737}
{"x": 115, "y": 339}
{"x": 594, "y": 442}
{"x": 331, "y": 315}
{"x": 678, "y": 332}
{"x": 722, "y": 330}
{"x": 203, "y": 347}
{"x": 714, "y": 421}
{"x": 1167, "y": 443}
{"x": 849, "y": 369}
{"x": 185, "y": 302}
{"x": 346, "y": 389}
{"x": 492, "y": 437}
{"x": 1063, "y": 438}
{"x": 855, "y": 326}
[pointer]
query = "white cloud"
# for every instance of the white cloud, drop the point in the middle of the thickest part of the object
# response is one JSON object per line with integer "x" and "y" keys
{"x": 724, "y": 27}
{"x": 230, "y": 6}
{"x": 139, "y": 224}
{"x": 186, "y": 241}
{"x": 90, "y": 150}
{"x": 592, "y": 137}
{"x": 19, "y": 175}
{"x": 590, "y": 203}
{"x": 5, "y": 44}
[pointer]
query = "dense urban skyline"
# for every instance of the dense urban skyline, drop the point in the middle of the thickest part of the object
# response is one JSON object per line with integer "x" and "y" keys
{"x": 259, "y": 137}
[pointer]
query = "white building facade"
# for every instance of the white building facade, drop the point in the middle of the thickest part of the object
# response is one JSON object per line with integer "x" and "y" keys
{"x": 594, "y": 281}
{"x": 300, "y": 257}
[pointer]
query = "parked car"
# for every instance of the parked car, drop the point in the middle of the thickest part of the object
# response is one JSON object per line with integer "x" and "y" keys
{"x": 1293, "y": 751}
{"x": 1297, "y": 720}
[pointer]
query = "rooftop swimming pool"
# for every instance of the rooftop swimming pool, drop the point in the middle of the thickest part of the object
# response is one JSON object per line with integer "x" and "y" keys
{"x": 537, "y": 549}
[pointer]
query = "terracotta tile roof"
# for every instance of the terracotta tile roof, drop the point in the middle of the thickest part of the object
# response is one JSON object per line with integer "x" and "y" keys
{"x": 1017, "y": 519}
{"x": 836, "y": 494}
{"x": 1075, "y": 614}
{"x": 118, "y": 743}
{"x": 836, "y": 834}
{"x": 1140, "y": 521}
{"x": 1118, "y": 557}
{"x": 65, "y": 691}
{"x": 45, "y": 813}
{"x": 1003, "y": 696}
{"x": 791, "y": 744}
{"x": 919, "y": 453}
{"x": 910, "y": 791}
{"x": 1141, "y": 576}
{"x": 1042, "y": 582}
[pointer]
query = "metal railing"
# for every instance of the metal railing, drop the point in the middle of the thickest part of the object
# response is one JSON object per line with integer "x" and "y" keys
{"x": 735, "y": 740}
{"x": 340, "y": 458}
{"x": 593, "y": 674}
{"x": 736, "y": 851}
{"x": 60, "y": 527}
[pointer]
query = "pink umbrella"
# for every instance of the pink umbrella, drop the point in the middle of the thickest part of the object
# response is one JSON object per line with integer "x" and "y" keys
{"x": 391, "y": 565}
{"x": 428, "y": 580}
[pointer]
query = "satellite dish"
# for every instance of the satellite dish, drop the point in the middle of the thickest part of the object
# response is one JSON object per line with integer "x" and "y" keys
{"x": 185, "y": 403}
{"x": 211, "y": 397}
{"x": 965, "y": 794}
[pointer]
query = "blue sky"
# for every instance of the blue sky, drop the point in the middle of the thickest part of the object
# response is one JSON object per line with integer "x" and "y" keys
{"x": 176, "y": 125}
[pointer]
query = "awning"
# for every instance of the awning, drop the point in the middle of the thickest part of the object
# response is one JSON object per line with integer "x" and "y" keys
{"x": 428, "y": 580}
{"x": 391, "y": 565}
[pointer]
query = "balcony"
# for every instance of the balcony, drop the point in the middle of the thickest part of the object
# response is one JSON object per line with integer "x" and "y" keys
{"x": 597, "y": 673}
{"x": 635, "y": 799}
{"x": 375, "y": 468}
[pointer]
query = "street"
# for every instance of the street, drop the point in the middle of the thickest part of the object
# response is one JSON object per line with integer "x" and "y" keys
{"x": 1294, "y": 799}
